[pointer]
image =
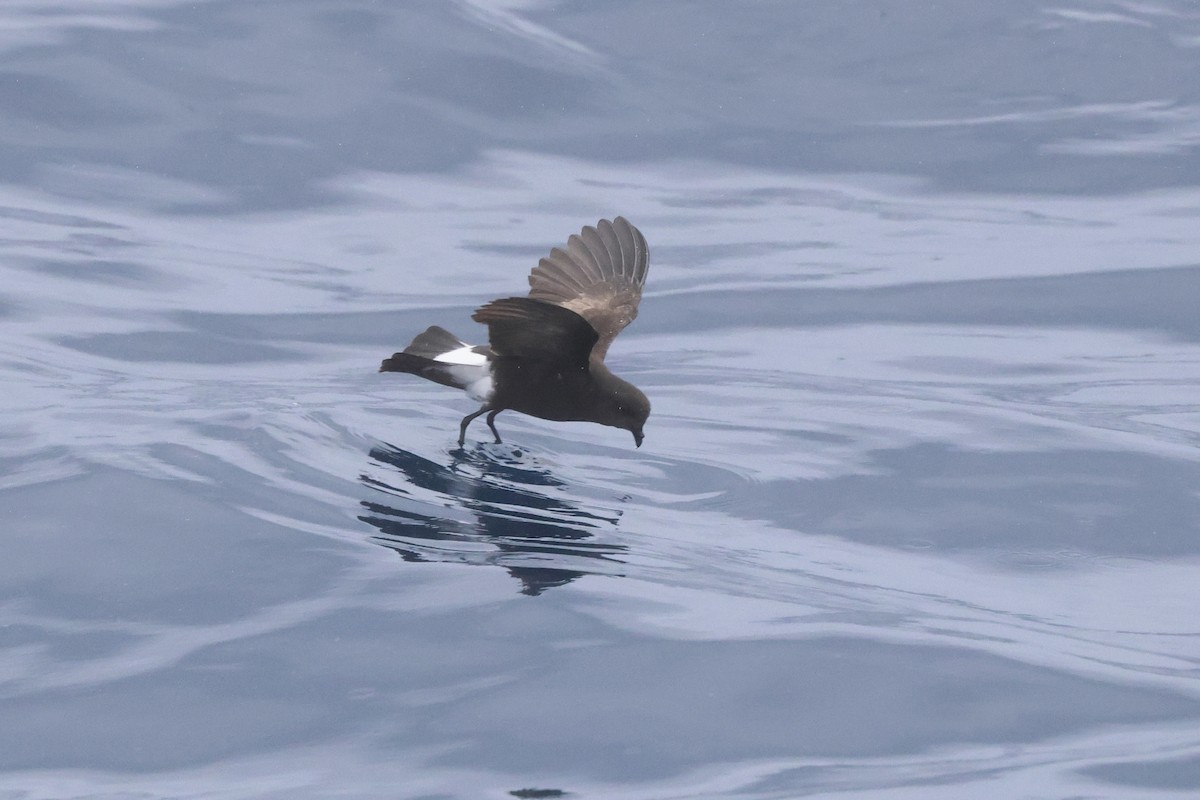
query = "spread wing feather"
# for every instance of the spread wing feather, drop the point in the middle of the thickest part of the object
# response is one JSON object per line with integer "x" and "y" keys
{"x": 599, "y": 276}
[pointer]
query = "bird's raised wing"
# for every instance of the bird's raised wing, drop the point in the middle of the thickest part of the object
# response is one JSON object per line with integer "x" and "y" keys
{"x": 599, "y": 276}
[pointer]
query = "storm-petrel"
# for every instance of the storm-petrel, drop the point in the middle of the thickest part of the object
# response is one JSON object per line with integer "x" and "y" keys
{"x": 545, "y": 355}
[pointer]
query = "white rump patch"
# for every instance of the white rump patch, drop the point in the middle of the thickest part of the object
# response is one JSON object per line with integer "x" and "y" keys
{"x": 482, "y": 389}
{"x": 464, "y": 355}
{"x": 475, "y": 381}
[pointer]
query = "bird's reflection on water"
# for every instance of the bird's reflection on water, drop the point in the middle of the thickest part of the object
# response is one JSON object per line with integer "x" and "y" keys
{"x": 486, "y": 508}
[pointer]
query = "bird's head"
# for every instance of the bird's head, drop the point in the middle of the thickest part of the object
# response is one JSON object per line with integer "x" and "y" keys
{"x": 628, "y": 408}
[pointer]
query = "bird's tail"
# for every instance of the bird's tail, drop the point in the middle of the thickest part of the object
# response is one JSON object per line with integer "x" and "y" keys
{"x": 434, "y": 342}
{"x": 439, "y": 356}
{"x": 406, "y": 362}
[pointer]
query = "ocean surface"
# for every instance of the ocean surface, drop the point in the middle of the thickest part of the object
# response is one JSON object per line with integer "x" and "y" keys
{"x": 918, "y": 512}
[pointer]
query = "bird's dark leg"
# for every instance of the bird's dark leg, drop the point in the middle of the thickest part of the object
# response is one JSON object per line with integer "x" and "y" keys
{"x": 462, "y": 429}
{"x": 491, "y": 421}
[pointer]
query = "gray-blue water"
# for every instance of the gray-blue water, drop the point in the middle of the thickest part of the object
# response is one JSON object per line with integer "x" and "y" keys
{"x": 917, "y": 514}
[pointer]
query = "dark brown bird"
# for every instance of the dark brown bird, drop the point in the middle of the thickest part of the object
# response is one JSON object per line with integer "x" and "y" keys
{"x": 545, "y": 356}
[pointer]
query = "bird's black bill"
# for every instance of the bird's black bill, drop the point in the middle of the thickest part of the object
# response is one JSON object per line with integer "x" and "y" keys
{"x": 637, "y": 438}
